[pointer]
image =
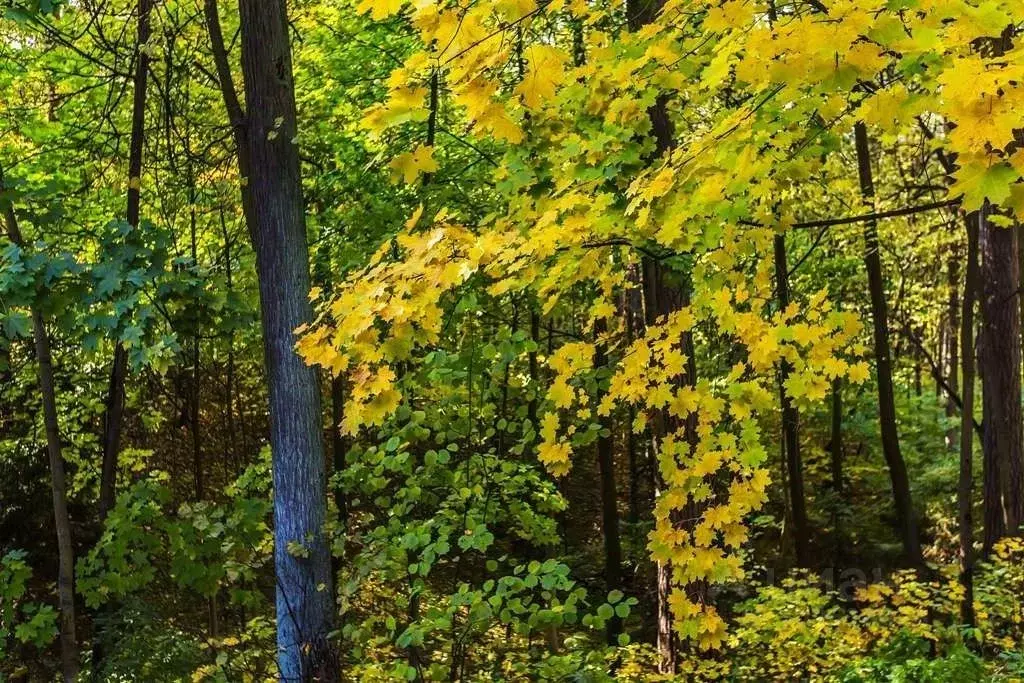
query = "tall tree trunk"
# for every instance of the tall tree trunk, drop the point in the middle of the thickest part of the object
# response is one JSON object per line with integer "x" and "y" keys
{"x": 952, "y": 344}
{"x": 305, "y": 602}
{"x": 999, "y": 363}
{"x": 232, "y": 446}
{"x": 965, "y": 485}
{"x": 905, "y": 514}
{"x": 236, "y": 115}
{"x": 836, "y": 466}
{"x": 629, "y": 308}
{"x": 657, "y": 302}
{"x": 338, "y": 443}
{"x": 609, "y": 498}
{"x": 667, "y": 641}
{"x": 61, "y": 519}
{"x": 197, "y": 451}
{"x": 790, "y": 423}
{"x": 114, "y": 415}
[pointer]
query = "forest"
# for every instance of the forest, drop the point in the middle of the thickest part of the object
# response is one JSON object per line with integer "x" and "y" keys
{"x": 511, "y": 340}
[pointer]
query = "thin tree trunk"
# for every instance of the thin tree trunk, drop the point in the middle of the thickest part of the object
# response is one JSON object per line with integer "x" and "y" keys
{"x": 609, "y": 499}
{"x": 338, "y": 443}
{"x": 952, "y": 345}
{"x": 305, "y": 604}
{"x": 905, "y": 514}
{"x": 230, "y": 379}
{"x": 836, "y": 464}
{"x": 197, "y": 452}
{"x": 114, "y": 416}
{"x": 631, "y": 445}
{"x": 965, "y": 485}
{"x": 62, "y": 521}
{"x": 639, "y": 13}
{"x": 790, "y": 424}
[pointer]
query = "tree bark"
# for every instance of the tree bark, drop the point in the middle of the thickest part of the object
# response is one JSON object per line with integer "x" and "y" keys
{"x": 999, "y": 363}
{"x": 113, "y": 419}
{"x": 965, "y": 486}
{"x": 952, "y": 344}
{"x": 302, "y": 556}
{"x": 658, "y": 300}
{"x": 58, "y": 485}
{"x": 790, "y": 423}
{"x": 905, "y": 514}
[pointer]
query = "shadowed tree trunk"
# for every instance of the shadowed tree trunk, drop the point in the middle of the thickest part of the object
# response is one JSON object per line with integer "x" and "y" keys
{"x": 906, "y": 517}
{"x": 61, "y": 519}
{"x": 660, "y": 300}
{"x": 790, "y": 422}
{"x": 272, "y": 203}
{"x": 836, "y": 466}
{"x": 952, "y": 344}
{"x": 609, "y": 498}
{"x": 114, "y": 416}
{"x": 965, "y": 486}
{"x": 999, "y": 363}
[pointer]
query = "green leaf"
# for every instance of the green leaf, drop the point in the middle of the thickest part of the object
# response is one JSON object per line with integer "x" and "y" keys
{"x": 977, "y": 181}
{"x": 17, "y": 325}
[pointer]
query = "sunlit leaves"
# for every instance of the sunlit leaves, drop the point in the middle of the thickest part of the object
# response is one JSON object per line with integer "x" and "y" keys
{"x": 380, "y": 9}
{"x": 761, "y": 110}
{"x": 544, "y": 73}
{"x": 410, "y": 165}
{"x": 977, "y": 181}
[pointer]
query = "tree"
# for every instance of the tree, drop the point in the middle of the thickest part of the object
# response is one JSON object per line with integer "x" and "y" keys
{"x": 302, "y": 557}
{"x": 58, "y": 483}
{"x": 113, "y": 418}
{"x": 999, "y": 363}
{"x": 905, "y": 513}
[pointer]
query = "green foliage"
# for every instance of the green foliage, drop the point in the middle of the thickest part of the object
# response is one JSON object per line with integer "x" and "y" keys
{"x": 908, "y": 659}
{"x": 22, "y": 620}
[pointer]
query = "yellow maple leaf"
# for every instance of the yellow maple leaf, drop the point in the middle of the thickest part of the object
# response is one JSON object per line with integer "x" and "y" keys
{"x": 546, "y": 70}
{"x": 858, "y": 372}
{"x": 561, "y": 394}
{"x": 379, "y": 9}
{"x": 409, "y": 165}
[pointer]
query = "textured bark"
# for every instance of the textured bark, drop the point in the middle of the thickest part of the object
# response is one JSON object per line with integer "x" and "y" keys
{"x": 905, "y": 513}
{"x": 113, "y": 419}
{"x": 999, "y": 363}
{"x": 58, "y": 486}
{"x": 965, "y": 485}
{"x": 790, "y": 424}
{"x": 270, "y": 164}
